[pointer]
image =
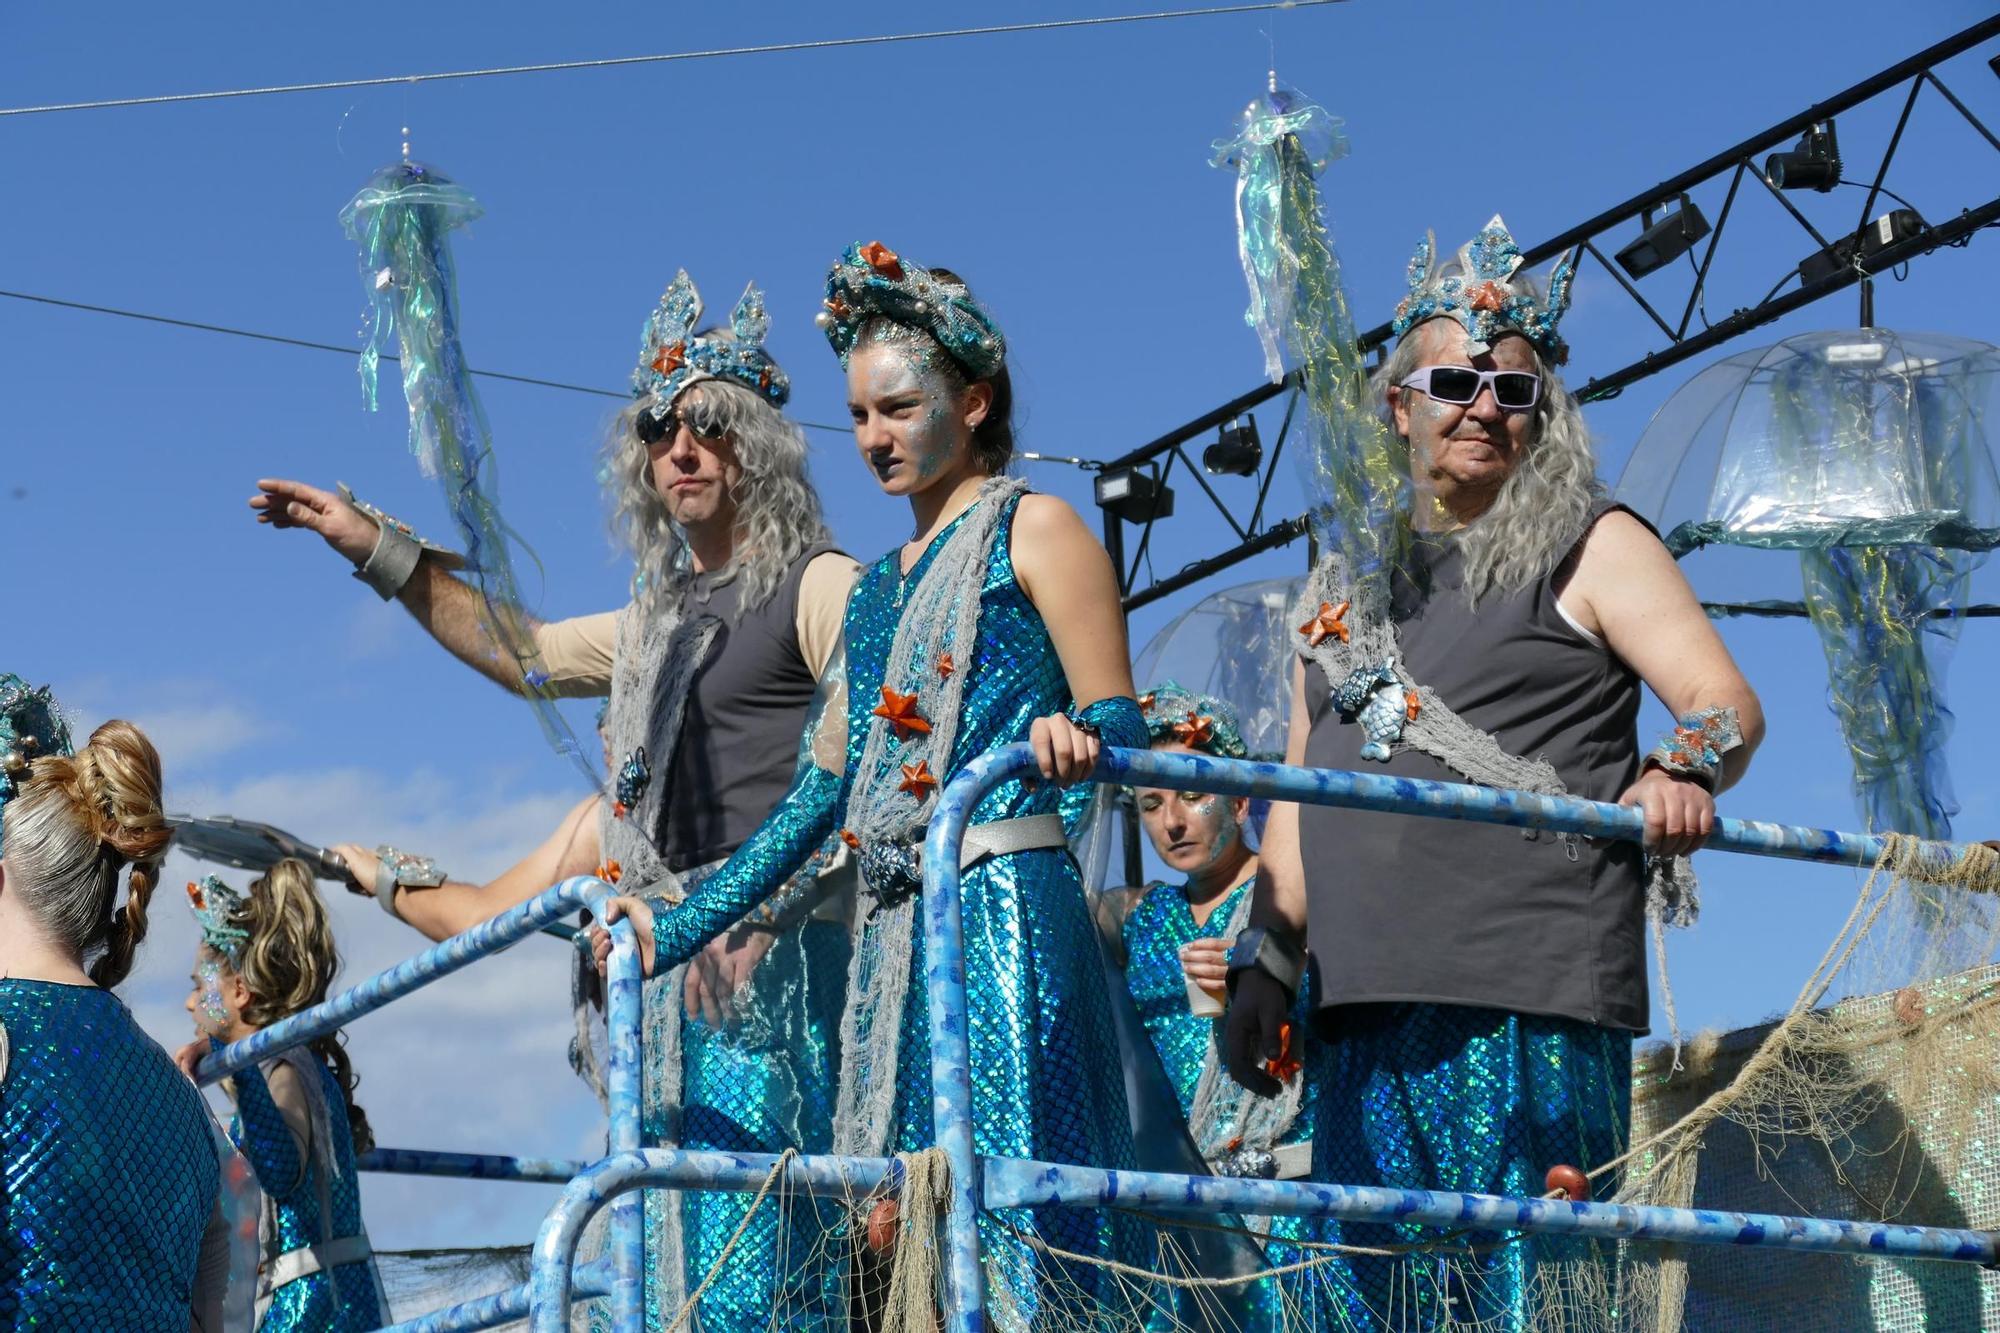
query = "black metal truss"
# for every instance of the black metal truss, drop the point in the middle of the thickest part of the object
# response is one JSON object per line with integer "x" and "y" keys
{"x": 1166, "y": 456}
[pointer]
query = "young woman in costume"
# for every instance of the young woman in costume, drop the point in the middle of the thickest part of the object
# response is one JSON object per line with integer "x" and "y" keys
{"x": 1174, "y": 940}
{"x": 106, "y": 1152}
{"x": 997, "y": 622}
{"x": 264, "y": 957}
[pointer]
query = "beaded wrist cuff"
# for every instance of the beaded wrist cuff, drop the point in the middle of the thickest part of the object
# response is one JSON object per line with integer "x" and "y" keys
{"x": 1695, "y": 747}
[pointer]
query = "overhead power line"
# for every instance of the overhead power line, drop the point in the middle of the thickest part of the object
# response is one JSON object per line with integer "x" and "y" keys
{"x": 613, "y": 62}
{"x": 284, "y": 341}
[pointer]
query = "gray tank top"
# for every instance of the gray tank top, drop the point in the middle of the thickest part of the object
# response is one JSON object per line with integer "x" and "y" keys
{"x": 739, "y": 741}
{"x": 1409, "y": 909}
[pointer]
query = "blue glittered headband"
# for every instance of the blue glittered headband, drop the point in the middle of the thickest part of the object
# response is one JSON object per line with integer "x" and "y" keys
{"x": 31, "y": 728}
{"x": 215, "y": 906}
{"x": 1478, "y": 290}
{"x": 872, "y": 280}
{"x": 1198, "y": 721}
{"x": 671, "y": 357}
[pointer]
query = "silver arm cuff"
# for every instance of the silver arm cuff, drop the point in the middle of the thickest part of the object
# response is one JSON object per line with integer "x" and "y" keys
{"x": 391, "y": 563}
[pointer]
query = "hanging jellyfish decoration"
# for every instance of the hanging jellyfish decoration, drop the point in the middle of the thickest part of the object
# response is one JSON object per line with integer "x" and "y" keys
{"x": 1358, "y": 470}
{"x": 402, "y": 220}
{"x": 1866, "y": 451}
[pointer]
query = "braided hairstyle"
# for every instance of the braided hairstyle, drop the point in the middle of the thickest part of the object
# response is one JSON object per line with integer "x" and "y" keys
{"x": 288, "y": 964}
{"x": 74, "y": 824}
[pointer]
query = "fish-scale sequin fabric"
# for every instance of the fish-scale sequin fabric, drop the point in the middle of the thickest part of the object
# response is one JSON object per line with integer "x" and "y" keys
{"x": 1047, "y": 1078}
{"x": 109, "y": 1168}
{"x": 1478, "y": 1101}
{"x": 340, "y": 1301}
{"x": 1155, "y": 931}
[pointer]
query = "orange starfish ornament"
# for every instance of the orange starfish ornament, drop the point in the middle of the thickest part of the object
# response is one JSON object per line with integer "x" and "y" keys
{"x": 1146, "y": 701}
{"x": 883, "y": 260}
{"x": 851, "y": 838}
{"x": 901, "y": 711}
{"x": 1329, "y": 623}
{"x": 1287, "y": 1064}
{"x": 610, "y": 872}
{"x": 917, "y": 779}
{"x": 945, "y": 667}
{"x": 1195, "y": 732}
{"x": 1488, "y": 296}
{"x": 671, "y": 359}
{"x": 1411, "y": 705}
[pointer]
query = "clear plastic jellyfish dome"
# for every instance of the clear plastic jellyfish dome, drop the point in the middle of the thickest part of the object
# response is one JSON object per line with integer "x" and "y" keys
{"x": 1858, "y": 437}
{"x": 1867, "y": 452}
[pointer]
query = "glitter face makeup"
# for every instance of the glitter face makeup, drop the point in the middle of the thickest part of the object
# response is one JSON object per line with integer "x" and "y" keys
{"x": 905, "y": 409}
{"x": 1192, "y": 831}
{"x": 211, "y": 1013}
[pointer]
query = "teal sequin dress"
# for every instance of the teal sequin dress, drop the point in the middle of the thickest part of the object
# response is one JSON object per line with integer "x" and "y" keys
{"x": 1047, "y": 1080}
{"x": 1154, "y": 932}
{"x": 109, "y": 1168}
{"x": 305, "y": 1204}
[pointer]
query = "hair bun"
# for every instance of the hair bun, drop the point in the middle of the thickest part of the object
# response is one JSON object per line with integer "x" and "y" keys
{"x": 118, "y": 777}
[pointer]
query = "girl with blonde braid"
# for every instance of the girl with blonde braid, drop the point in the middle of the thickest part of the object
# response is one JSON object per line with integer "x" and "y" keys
{"x": 264, "y": 957}
{"x": 108, "y": 1170}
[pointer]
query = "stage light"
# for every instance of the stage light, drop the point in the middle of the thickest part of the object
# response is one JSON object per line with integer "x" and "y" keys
{"x": 1813, "y": 165}
{"x": 1664, "y": 241}
{"x": 1237, "y": 452}
{"x": 1134, "y": 495}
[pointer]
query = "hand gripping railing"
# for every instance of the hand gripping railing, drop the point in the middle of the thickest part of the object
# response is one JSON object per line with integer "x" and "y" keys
{"x": 623, "y": 1279}
{"x": 1003, "y": 1183}
{"x": 982, "y": 1182}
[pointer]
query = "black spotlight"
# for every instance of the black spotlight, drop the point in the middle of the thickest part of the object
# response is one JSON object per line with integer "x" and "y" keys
{"x": 1813, "y": 165}
{"x": 1133, "y": 494}
{"x": 1237, "y": 452}
{"x": 1664, "y": 241}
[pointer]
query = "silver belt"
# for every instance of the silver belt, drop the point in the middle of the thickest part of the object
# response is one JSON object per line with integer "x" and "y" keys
{"x": 292, "y": 1265}
{"x": 1026, "y": 834}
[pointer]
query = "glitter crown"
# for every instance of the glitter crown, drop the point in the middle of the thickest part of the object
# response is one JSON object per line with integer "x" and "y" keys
{"x": 1479, "y": 290}
{"x": 872, "y": 280}
{"x": 671, "y": 357}
{"x": 215, "y": 906}
{"x": 31, "y": 728}
{"x": 1199, "y": 721}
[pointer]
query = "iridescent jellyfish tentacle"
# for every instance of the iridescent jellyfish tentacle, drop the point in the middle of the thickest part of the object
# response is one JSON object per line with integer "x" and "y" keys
{"x": 401, "y": 221}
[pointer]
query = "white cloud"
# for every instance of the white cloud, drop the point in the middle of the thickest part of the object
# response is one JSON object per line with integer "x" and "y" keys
{"x": 475, "y": 1062}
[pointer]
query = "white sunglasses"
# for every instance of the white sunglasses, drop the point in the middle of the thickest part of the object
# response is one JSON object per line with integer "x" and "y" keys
{"x": 1513, "y": 390}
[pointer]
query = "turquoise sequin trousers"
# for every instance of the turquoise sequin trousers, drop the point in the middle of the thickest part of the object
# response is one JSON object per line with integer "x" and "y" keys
{"x": 1480, "y": 1101}
{"x": 762, "y": 1081}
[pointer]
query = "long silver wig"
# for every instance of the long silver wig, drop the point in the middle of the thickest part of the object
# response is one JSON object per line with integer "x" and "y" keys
{"x": 778, "y": 513}
{"x": 1539, "y": 513}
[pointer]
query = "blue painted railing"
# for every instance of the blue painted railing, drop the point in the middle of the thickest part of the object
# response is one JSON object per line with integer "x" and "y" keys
{"x": 623, "y": 1278}
{"x": 978, "y": 1182}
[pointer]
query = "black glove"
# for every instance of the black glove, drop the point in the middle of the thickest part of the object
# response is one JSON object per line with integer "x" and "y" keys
{"x": 1259, "y": 1008}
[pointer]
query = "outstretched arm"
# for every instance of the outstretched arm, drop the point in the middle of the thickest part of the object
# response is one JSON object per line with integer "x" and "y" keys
{"x": 455, "y": 906}
{"x": 575, "y": 654}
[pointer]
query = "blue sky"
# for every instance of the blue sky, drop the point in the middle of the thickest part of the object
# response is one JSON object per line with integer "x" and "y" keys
{"x": 1065, "y": 174}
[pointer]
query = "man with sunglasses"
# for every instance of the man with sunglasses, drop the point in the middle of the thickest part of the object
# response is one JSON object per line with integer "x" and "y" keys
{"x": 1481, "y": 985}
{"x": 711, "y": 670}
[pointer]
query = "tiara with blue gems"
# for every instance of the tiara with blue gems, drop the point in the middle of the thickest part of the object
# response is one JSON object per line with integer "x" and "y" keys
{"x": 873, "y": 280}
{"x": 215, "y": 906}
{"x": 1479, "y": 291}
{"x": 1199, "y": 721}
{"x": 31, "y": 728}
{"x": 671, "y": 358}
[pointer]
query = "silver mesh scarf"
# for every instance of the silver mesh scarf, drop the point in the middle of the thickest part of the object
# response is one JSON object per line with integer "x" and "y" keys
{"x": 1672, "y": 895}
{"x": 939, "y": 615}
